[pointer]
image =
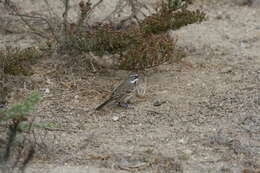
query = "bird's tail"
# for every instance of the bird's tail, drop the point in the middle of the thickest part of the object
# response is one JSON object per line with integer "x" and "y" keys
{"x": 103, "y": 104}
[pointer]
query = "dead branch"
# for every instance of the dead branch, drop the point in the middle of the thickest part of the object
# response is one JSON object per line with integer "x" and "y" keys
{"x": 65, "y": 20}
{"x": 13, "y": 8}
{"x": 51, "y": 12}
{"x": 23, "y": 16}
{"x": 135, "y": 9}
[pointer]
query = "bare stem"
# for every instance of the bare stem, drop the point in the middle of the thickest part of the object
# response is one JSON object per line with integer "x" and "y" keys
{"x": 65, "y": 20}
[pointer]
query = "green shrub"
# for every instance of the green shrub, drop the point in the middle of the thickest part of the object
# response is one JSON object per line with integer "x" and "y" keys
{"x": 18, "y": 147}
{"x": 149, "y": 52}
{"x": 20, "y": 113}
{"x": 165, "y": 20}
{"x": 138, "y": 46}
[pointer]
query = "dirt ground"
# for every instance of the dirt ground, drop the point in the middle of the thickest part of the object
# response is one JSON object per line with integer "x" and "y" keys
{"x": 210, "y": 121}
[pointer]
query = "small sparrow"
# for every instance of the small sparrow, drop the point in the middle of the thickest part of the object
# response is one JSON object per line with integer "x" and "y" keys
{"x": 122, "y": 93}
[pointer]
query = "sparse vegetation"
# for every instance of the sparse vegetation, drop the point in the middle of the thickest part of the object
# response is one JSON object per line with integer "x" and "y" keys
{"x": 199, "y": 115}
{"x": 167, "y": 19}
{"x": 17, "y": 150}
{"x": 137, "y": 46}
{"x": 15, "y": 60}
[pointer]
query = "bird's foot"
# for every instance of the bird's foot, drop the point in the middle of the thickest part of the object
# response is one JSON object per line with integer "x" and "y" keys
{"x": 124, "y": 105}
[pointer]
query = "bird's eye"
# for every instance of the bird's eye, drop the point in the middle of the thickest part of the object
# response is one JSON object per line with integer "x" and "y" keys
{"x": 133, "y": 76}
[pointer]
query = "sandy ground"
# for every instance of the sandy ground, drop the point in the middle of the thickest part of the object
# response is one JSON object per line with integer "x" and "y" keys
{"x": 209, "y": 123}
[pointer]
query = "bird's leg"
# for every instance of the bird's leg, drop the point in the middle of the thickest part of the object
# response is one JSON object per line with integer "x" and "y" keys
{"x": 124, "y": 105}
{"x": 125, "y": 101}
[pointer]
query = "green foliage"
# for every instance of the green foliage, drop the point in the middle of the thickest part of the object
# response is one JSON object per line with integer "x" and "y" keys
{"x": 172, "y": 5}
{"x": 138, "y": 46}
{"x": 18, "y": 148}
{"x": 17, "y": 61}
{"x": 27, "y": 126}
{"x": 105, "y": 39}
{"x": 151, "y": 51}
{"x": 20, "y": 111}
{"x": 137, "y": 50}
{"x": 165, "y": 20}
{"x": 185, "y": 17}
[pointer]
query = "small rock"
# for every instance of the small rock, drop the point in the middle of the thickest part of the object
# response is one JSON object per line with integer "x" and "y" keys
{"x": 226, "y": 70}
{"x": 182, "y": 141}
{"x": 47, "y": 91}
{"x": 115, "y": 118}
{"x": 242, "y": 45}
{"x": 158, "y": 103}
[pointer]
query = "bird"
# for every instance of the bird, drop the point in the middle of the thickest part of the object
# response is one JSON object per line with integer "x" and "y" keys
{"x": 122, "y": 93}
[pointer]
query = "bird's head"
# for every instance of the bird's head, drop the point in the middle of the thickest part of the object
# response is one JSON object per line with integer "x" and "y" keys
{"x": 133, "y": 78}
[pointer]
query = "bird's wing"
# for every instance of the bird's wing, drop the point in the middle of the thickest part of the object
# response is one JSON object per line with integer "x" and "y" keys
{"x": 119, "y": 87}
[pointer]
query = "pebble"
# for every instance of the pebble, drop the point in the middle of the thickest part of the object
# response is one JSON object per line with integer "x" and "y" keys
{"x": 115, "y": 118}
{"x": 158, "y": 103}
{"x": 47, "y": 91}
{"x": 226, "y": 70}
